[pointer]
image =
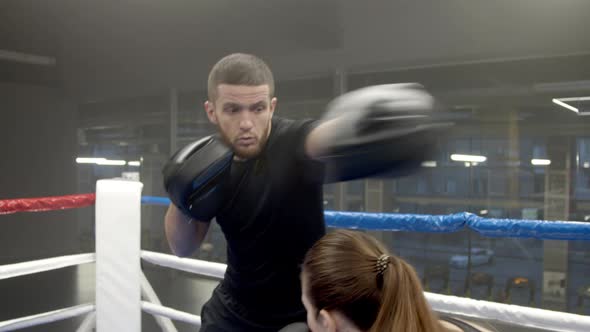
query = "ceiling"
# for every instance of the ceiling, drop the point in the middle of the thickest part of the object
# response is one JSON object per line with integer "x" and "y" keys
{"x": 150, "y": 45}
{"x": 483, "y": 57}
{"x": 105, "y": 49}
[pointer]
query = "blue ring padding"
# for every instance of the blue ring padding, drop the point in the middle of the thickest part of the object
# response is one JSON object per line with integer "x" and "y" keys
{"x": 538, "y": 229}
{"x": 154, "y": 200}
{"x": 395, "y": 222}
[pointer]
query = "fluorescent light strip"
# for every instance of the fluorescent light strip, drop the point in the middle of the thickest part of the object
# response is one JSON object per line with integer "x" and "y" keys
{"x": 429, "y": 163}
{"x": 112, "y": 162}
{"x": 89, "y": 160}
{"x": 541, "y": 162}
{"x": 32, "y": 59}
{"x": 574, "y": 98}
{"x": 468, "y": 158}
{"x": 562, "y": 104}
{"x": 134, "y": 163}
{"x": 100, "y": 161}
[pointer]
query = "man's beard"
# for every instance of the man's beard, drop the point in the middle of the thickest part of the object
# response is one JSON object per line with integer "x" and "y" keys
{"x": 248, "y": 153}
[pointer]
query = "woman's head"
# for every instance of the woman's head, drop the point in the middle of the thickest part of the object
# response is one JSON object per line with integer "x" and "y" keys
{"x": 351, "y": 282}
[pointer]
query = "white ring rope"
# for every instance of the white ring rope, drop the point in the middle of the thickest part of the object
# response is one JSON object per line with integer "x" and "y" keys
{"x": 204, "y": 268}
{"x": 46, "y": 317}
{"x": 24, "y": 268}
{"x": 512, "y": 314}
{"x": 118, "y": 202}
{"x": 518, "y": 315}
{"x": 88, "y": 323}
{"x": 149, "y": 294}
{"x": 182, "y": 316}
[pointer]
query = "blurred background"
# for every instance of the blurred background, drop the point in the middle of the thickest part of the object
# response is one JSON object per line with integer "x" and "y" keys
{"x": 126, "y": 80}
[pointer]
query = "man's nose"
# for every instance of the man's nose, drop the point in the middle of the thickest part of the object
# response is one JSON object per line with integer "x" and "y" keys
{"x": 246, "y": 122}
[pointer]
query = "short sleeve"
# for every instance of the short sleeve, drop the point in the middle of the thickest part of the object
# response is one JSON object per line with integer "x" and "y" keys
{"x": 312, "y": 170}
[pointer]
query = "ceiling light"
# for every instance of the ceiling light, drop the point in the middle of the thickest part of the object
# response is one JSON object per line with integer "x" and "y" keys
{"x": 541, "y": 162}
{"x": 468, "y": 158}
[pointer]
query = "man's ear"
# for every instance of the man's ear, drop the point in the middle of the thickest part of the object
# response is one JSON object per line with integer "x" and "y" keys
{"x": 273, "y": 105}
{"x": 210, "y": 110}
{"x": 327, "y": 321}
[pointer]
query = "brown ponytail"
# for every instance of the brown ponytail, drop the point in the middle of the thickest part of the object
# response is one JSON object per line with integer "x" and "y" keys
{"x": 351, "y": 272}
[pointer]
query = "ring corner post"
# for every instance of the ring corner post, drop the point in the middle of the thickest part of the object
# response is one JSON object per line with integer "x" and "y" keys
{"x": 118, "y": 270}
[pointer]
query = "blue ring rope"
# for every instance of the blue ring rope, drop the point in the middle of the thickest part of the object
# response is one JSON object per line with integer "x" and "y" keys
{"x": 537, "y": 229}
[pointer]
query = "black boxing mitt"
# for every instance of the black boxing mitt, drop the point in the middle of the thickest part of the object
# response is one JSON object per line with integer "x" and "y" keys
{"x": 389, "y": 128}
{"x": 195, "y": 176}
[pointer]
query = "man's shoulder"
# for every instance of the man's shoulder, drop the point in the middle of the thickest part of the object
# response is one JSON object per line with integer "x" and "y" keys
{"x": 282, "y": 126}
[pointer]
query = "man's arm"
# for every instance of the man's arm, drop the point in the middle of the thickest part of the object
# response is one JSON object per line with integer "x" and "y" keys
{"x": 184, "y": 236}
{"x": 318, "y": 139}
{"x": 352, "y": 115}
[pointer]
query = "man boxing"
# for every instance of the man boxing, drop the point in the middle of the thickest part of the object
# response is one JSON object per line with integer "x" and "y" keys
{"x": 261, "y": 178}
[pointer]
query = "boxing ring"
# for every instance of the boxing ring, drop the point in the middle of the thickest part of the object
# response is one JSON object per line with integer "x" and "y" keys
{"x": 123, "y": 291}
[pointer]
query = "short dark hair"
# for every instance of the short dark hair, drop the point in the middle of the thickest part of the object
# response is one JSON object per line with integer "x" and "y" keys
{"x": 239, "y": 69}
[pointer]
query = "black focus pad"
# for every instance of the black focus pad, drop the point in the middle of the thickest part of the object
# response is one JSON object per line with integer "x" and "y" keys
{"x": 195, "y": 175}
{"x": 393, "y": 157}
{"x": 388, "y": 129}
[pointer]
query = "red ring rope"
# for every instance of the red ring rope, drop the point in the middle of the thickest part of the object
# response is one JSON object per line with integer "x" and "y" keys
{"x": 8, "y": 206}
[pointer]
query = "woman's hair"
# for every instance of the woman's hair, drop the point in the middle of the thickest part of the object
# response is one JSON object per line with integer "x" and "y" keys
{"x": 351, "y": 272}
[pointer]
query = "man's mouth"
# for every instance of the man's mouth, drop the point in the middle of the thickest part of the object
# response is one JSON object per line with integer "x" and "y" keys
{"x": 245, "y": 141}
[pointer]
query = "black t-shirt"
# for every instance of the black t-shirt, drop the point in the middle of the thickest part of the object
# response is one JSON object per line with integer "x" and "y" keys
{"x": 273, "y": 215}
